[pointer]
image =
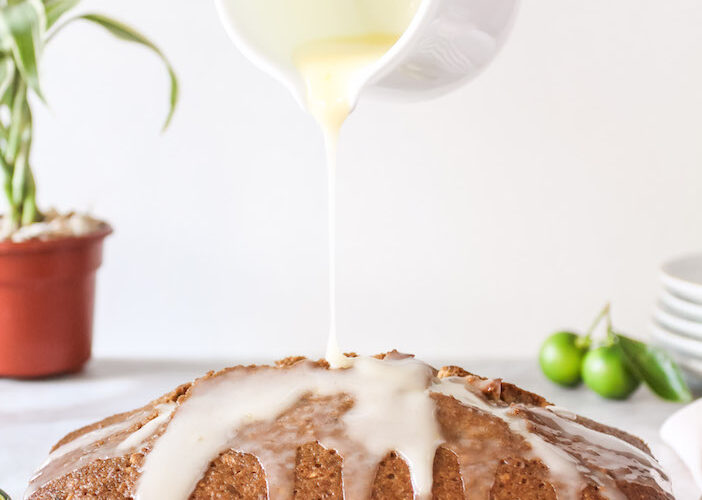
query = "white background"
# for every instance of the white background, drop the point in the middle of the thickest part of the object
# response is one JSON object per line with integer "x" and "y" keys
{"x": 472, "y": 225}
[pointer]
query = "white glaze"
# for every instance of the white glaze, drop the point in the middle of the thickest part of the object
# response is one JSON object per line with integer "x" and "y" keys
{"x": 53, "y": 467}
{"x": 561, "y": 465}
{"x": 91, "y": 437}
{"x": 392, "y": 411}
{"x": 566, "y": 473}
{"x": 137, "y": 439}
{"x": 609, "y": 449}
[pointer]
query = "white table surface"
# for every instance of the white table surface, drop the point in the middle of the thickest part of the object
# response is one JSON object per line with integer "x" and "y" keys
{"x": 34, "y": 415}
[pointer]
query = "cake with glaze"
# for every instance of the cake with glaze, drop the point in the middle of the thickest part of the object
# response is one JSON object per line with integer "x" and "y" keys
{"x": 388, "y": 427}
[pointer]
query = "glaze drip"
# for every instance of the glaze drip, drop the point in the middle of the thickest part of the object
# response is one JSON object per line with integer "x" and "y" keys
{"x": 333, "y": 70}
{"x": 383, "y": 394}
{"x": 122, "y": 437}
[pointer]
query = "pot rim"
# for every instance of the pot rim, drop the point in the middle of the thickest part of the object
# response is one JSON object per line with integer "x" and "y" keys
{"x": 36, "y": 245}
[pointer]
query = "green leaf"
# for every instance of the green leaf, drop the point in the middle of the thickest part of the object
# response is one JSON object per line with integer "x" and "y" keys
{"x": 30, "y": 211}
{"x": 7, "y": 73}
{"x": 124, "y": 32}
{"x": 17, "y": 122}
{"x": 22, "y": 28}
{"x": 22, "y": 179}
{"x": 19, "y": 179}
{"x": 57, "y": 8}
{"x": 7, "y": 171}
{"x": 656, "y": 368}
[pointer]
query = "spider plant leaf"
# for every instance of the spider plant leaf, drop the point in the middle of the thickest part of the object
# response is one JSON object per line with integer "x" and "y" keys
{"x": 7, "y": 171}
{"x": 30, "y": 211}
{"x": 8, "y": 97}
{"x": 57, "y": 8}
{"x": 7, "y": 73}
{"x": 21, "y": 175}
{"x": 7, "y": 76}
{"x": 18, "y": 122}
{"x": 129, "y": 34}
{"x": 22, "y": 27}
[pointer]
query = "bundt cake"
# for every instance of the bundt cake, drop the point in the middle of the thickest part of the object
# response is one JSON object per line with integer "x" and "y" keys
{"x": 387, "y": 427}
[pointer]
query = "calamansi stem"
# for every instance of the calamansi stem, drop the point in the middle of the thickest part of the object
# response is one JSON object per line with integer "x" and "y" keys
{"x": 605, "y": 313}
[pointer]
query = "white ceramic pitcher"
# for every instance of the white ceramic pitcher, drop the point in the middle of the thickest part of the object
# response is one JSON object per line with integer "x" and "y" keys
{"x": 447, "y": 43}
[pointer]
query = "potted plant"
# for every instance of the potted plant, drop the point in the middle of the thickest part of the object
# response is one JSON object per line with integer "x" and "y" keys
{"x": 48, "y": 260}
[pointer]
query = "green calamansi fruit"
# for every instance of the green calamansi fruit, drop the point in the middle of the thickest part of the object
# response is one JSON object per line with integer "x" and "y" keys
{"x": 561, "y": 357}
{"x": 4, "y": 496}
{"x": 606, "y": 372}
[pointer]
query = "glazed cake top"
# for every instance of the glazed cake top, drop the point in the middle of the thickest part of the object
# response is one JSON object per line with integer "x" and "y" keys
{"x": 386, "y": 404}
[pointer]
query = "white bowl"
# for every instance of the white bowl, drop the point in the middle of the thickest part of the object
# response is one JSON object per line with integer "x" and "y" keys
{"x": 690, "y": 362}
{"x": 692, "y": 370}
{"x": 683, "y": 277}
{"x": 678, "y": 344}
{"x": 679, "y": 324}
{"x": 681, "y": 307}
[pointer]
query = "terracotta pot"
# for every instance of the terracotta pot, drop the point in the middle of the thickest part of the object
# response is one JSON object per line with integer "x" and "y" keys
{"x": 47, "y": 297}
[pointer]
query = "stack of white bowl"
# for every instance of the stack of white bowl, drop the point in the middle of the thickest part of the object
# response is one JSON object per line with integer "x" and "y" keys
{"x": 677, "y": 324}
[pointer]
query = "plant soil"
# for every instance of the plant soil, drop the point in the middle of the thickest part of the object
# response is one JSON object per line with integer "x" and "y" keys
{"x": 55, "y": 225}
